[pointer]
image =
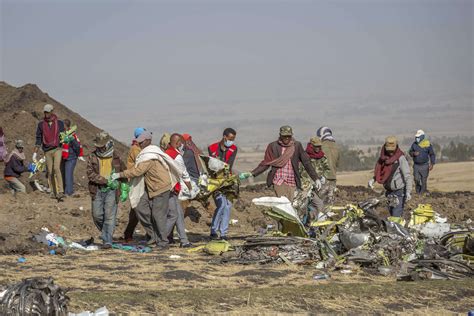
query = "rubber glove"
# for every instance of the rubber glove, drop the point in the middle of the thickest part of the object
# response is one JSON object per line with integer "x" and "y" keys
{"x": 318, "y": 185}
{"x": 323, "y": 180}
{"x": 244, "y": 175}
{"x": 408, "y": 196}
{"x": 81, "y": 159}
{"x": 371, "y": 183}
{"x": 115, "y": 176}
{"x": 34, "y": 157}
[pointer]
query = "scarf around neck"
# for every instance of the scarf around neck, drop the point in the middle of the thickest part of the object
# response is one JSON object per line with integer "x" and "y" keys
{"x": 280, "y": 162}
{"x": 386, "y": 165}
{"x": 312, "y": 154}
{"x": 16, "y": 153}
{"x": 51, "y": 131}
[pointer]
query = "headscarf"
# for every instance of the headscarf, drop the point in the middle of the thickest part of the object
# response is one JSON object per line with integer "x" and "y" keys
{"x": 325, "y": 133}
{"x": 164, "y": 141}
{"x": 17, "y": 153}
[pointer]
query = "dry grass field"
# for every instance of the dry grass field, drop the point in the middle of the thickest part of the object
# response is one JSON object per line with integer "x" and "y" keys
{"x": 445, "y": 177}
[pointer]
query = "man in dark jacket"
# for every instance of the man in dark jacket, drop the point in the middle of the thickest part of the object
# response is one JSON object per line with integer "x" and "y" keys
{"x": 47, "y": 137}
{"x": 14, "y": 167}
{"x": 104, "y": 191}
{"x": 284, "y": 157}
{"x": 424, "y": 159}
{"x": 71, "y": 151}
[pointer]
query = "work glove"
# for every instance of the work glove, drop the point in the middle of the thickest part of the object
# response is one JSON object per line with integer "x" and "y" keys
{"x": 408, "y": 197}
{"x": 323, "y": 180}
{"x": 371, "y": 183}
{"x": 81, "y": 159}
{"x": 318, "y": 185}
{"x": 42, "y": 160}
{"x": 34, "y": 157}
{"x": 115, "y": 176}
{"x": 244, "y": 175}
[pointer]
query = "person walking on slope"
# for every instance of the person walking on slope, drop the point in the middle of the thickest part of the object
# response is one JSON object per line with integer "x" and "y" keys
{"x": 329, "y": 147}
{"x": 283, "y": 156}
{"x": 47, "y": 137}
{"x": 176, "y": 213}
{"x": 226, "y": 151}
{"x": 104, "y": 191}
{"x": 71, "y": 151}
{"x": 424, "y": 159}
{"x": 393, "y": 172}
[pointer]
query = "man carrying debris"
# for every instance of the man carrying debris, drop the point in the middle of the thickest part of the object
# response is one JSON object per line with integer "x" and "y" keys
{"x": 331, "y": 151}
{"x": 191, "y": 158}
{"x": 131, "y": 159}
{"x": 104, "y": 191}
{"x": 284, "y": 157}
{"x": 320, "y": 163}
{"x": 153, "y": 177}
{"x": 226, "y": 151}
{"x": 176, "y": 213}
{"x": 47, "y": 136}
{"x": 14, "y": 167}
{"x": 393, "y": 172}
{"x": 71, "y": 152}
{"x": 424, "y": 159}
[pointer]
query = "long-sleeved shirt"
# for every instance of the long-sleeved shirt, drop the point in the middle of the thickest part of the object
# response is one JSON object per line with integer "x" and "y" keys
{"x": 157, "y": 178}
{"x": 425, "y": 152}
{"x": 402, "y": 177}
{"x": 39, "y": 135}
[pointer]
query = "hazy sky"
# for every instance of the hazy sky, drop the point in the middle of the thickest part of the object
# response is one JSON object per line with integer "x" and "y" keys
{"x": 120, "y": 63}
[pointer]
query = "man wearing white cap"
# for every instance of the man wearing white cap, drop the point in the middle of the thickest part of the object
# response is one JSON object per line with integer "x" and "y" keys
{"x": 47, "y": 137}
{"x": 424, "y": 158}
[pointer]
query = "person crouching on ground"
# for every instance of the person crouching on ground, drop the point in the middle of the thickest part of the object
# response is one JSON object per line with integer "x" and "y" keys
{"x": 104, "y": 191}
{"x": 393, "y": 172}
{"x": 14, "y": 167}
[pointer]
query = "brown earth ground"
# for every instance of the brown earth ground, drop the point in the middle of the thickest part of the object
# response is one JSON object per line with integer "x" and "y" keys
{"x": 195, "y": 283}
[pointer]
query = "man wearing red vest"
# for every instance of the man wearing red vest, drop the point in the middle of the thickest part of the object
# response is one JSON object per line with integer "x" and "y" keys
{"x": 175, "y": 211}
{"x": 226, "y": 151}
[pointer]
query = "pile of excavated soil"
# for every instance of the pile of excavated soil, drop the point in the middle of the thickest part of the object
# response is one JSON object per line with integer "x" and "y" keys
{"x": 22, "y": 108}
{"x": 25, "y": 215}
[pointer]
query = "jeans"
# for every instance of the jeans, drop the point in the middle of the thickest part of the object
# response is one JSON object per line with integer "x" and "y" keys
{"x": 69, "y": 166}
{"x": 16, "y": 186}
{"x": 176, "y": 217}
{"x": 221, "y": 218}
{"x": 399, "y": 199}
{"x": 104, "y": 213}
{"x": 420, "y": 173}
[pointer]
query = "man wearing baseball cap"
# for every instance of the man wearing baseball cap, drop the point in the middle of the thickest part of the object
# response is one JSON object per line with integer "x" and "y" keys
{"x": 424, "y": 158}
{"x": 393, "y": 172}
{"x": 284, "y": 156}
{"x": 47, "y": 137}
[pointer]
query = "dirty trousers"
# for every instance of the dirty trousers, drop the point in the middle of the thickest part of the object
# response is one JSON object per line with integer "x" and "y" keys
{"x": 53, "y": 166}
{"x": 15, "y": 185}
{"x": 285, "y": 190}
{"x": 176, "y": 217}
{"x": 152, "y": 214}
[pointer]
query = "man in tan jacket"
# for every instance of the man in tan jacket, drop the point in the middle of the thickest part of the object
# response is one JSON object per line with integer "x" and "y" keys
{"x": 152, "y": 209}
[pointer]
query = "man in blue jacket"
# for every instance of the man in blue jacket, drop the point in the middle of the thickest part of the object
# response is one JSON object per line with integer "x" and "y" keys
{"x": 424, "y": 159}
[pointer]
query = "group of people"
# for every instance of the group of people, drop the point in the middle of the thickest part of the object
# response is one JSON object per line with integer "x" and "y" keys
{"x": 157, "y": 173}
{"x": 61, "y": 148}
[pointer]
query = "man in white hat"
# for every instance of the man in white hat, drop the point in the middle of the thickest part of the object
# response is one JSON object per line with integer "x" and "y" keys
{"x": 424, "y": 158}
{"x": 47, "y": 137}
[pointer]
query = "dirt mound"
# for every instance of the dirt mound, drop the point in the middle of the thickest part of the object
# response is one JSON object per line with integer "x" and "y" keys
{"x": 22, "y": 108}
{"x": 20, "y": 218}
